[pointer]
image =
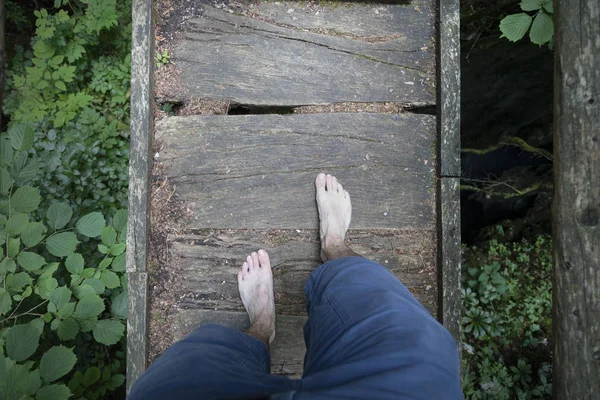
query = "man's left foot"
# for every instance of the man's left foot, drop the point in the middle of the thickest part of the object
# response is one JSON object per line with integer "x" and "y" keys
{"x": 255, "y": 281}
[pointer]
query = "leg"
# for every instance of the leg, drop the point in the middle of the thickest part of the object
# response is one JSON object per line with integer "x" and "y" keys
{"x": 216, "y": 362}
{"x": 367, "y": 336}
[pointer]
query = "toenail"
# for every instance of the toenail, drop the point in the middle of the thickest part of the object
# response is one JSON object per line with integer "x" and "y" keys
{"x": 261, "y": 252}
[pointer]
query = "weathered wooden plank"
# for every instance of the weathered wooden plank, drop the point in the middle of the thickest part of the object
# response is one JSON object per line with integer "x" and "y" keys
{"x": 379, "y": 23}
{"x": 287, "y": 351}
{"x": 449, "y": 255}
{"x": 576, "y": 204}
{"x": 142, "y": 57}
{"x": 141, "y": 127}
{"x": 448, "y": 87}
{"x": 208, "y": 264}
{"x": 251, "y": 61}
{"x": 242, "y": 171}
{"x": 137, "y": 327}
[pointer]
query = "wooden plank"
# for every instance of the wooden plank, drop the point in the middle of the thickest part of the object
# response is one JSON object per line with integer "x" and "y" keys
{"x": 141, "y": 127}
{"x": 142, "y": 57}
{"x": 137, "y": 326}
{"x": 208, "y": 264}
{"x": 287, "y": 351}
{"x": 449, "y": 255}
{"x": 448, "y": 84}
{"x": 576, "y": 205}
{"x": 224, "y": 167}
{"x": 251, "y": 61}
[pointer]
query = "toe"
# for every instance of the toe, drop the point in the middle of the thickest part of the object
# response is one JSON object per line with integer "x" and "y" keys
{"x": 321, "y": 181}
{"x": 255, "y": 260}
{"x": 245, "y": 269}
{"x": 334, "y": 184}
{"x": 263, "y": 259}
{"x": 248, "y": 263}
{"x": 346, "y": 194}
{"x": 329, "y": 182}
{"x": 240, "y": 276}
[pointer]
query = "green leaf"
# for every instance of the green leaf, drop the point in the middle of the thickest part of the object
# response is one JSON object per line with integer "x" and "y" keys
{"x": 110, "y": 279}
{"x": 56, "y": 363}
{"x": 118, "y": 264}
{"x": 91, "y": 376}
{"x": 117, "y": 380}
{"x": 542, "y": 29}
{"x": 108, "y": 331}
{"x": 88, "y": 272}
{"x": 5, "y": 181}
{"x": 53, "y": 392}
{"x": 515, "y": 26}
{"x": 33, "y": 233}
{"x": 87, "y": 325}
{"x": 105, "y": 263}
{"x": 74, "y": 263}
{"x": 103, "y": 249}
{"x": 97, "y": 284}
{"x": 45, "y": 286}
{"x": 21, "y": 342}
{"x": 14, "y": 244}
{"x": 548, "y": 6}
{"x": 89, "y": 306}
{"x": 7, "y": 265}
{"x": 60, "y": 296}
{"x": 30, "y": 261}
{"x": 120, "y": 220}
{"x": 531, "y": 5}
{"x": 5, "y": 304}
{"x": 25, "y": 199}
{"x": 83, "y": 290}
{"x": 91, "y": 225}
{"x": 17, "y": 384}
{"x": 30, "y": 171}
{"x": 59, "y": 215}
{"x": 16, "y": 224}
{"x": 67, "y": 329}
{"x": 6, "y": 152}
{"x": 109, "y": 236}
{"x": 21, "y": 136}
{"x": 75, "y": 381}
{"x": 62, "y": 244}
{"x": 33, "y": 382}
{"x": 17, "y": 282}
{"x": 66, "y": 310}
{"x": 119, "y": 305}
{"x": 117, "y": 249}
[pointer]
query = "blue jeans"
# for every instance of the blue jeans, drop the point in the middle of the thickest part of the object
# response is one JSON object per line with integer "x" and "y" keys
{"x": 366, "y": 337}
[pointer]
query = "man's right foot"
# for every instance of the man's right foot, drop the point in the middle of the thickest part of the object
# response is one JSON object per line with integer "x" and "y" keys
{"x": 335, "y": 211}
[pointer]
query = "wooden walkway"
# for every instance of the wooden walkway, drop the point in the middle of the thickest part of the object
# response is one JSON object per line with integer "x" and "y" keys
{"x": 247, "y": 181}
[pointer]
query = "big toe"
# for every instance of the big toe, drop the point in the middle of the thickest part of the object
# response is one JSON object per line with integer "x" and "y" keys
{"x": 321, "y": 181}
{"x": 263, "y": 259}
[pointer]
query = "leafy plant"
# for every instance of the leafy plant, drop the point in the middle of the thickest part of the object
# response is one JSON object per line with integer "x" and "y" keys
{"x": 52, "y": 297}
{"x": 72, "y": 89}
{"x": 506, "y": 299}
{"x": 540, "y": 25}
{"x": 162, "y": 58}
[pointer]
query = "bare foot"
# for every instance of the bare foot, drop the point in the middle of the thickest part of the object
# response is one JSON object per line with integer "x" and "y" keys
{"x": 335, "y": 211}
{"x": 255, "y": 281}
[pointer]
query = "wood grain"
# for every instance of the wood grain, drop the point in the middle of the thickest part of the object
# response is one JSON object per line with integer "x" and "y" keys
{"x": 449, "y": 256}
{"x": 208, "y": 264}
{"x": 257, "y": 171}
{"x": 251, "y": 61}
{"x": 142, "y": 57}
{"x": 576, "y": 205}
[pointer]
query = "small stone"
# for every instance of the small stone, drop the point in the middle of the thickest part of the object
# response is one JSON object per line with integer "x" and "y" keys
{"x": 291, "y": 10}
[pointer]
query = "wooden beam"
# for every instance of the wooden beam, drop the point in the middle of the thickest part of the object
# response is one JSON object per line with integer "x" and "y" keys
{"x": 140, "y": 166}
{"x": 448, "y": 84}
{"x": 576, "y": 207}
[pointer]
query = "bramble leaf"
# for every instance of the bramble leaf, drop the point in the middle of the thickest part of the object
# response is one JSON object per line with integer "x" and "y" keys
{"x": 108, "y": 331}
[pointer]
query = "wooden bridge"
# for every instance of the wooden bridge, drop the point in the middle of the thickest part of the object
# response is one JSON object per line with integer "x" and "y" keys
{"x": 368, "y": 91}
